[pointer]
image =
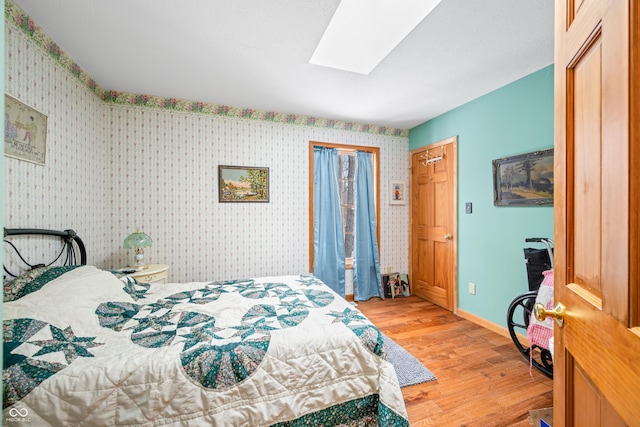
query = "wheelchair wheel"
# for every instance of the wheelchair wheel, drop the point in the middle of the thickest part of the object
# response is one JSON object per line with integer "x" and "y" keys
{"x": 518, "y": 321}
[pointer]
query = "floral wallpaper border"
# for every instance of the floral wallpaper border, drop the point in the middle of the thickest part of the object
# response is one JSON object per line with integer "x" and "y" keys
{"x": 16, "y": 16}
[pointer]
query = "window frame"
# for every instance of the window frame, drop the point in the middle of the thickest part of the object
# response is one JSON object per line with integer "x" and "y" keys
{"x": 375, "y": 163}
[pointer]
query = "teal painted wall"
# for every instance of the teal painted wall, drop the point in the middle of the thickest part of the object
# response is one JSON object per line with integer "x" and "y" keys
{"x": 512, "y": 120}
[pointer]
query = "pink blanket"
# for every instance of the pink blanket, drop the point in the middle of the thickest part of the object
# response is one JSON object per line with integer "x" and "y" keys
{"x": 538, "y": 332}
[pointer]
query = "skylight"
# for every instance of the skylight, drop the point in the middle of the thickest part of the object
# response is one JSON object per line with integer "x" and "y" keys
{"x": 363, "y": 32}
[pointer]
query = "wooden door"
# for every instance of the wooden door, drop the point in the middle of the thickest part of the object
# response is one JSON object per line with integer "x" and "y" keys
{"x": 597, "y": 353}
{"x": 433, "y": 223}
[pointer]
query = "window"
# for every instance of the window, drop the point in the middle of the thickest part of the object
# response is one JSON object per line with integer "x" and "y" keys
{"x": 347, "y": 170}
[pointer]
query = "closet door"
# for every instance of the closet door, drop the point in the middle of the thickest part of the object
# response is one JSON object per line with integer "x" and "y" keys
{"x": 433, "y": 223}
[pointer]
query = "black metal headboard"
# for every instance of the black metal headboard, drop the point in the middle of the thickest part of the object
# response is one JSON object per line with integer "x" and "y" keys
{"x": 68, "y": 237}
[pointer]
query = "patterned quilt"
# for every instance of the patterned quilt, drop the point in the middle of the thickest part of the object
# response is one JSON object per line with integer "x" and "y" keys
{"x": 84, "y": 347}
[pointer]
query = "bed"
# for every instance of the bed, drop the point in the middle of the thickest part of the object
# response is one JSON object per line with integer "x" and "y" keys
{"x": 87, "y": 347}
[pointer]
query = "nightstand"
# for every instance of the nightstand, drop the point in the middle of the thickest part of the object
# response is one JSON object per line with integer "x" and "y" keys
{"x": 154, "y": 273}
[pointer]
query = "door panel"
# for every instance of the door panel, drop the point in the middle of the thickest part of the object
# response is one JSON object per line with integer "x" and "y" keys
{"x": 591, "y": 409}
{"x": 596, "y": 374}
{"x": 586, "y": 78}
{"x": 433, "y": 224}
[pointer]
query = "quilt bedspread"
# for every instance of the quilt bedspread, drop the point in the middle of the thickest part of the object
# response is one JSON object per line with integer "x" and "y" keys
{"x": 88, "y": 348}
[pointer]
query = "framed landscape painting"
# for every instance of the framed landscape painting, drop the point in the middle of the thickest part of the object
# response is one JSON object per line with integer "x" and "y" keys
{"x": 243, "y": 184}
{"x": 524, "y": 180}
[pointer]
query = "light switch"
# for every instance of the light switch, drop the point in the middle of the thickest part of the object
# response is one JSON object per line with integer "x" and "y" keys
{"x": 468, "y": 208}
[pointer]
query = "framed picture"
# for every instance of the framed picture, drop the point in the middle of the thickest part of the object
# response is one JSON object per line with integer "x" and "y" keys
{"x": 25, "y": 131}
{"x": 397, "y": 192}
{"x": 396, "y": 285}
{"x": 388, "y": 285}
{"x": 243, "y": 184}
{"x": 524, "y": 180}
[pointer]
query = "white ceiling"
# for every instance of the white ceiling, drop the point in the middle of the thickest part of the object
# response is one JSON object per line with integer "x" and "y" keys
{"x": 255, "y": 54}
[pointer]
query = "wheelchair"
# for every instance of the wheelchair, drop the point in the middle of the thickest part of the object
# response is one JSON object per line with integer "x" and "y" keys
{"x": 519, "y": 313}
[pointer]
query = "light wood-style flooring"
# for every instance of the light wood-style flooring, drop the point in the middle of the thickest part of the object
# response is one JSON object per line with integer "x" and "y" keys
{"x": 482, "y": 380}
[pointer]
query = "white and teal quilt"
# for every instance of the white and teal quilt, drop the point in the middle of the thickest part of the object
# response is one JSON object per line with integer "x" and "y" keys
{"x": 83, "y": 347}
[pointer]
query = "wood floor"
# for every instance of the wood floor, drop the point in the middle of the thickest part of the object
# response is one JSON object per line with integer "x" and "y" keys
{"x": 482, "y": 380}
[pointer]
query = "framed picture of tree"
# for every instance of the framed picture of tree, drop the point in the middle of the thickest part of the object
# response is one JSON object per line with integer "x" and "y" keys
{"x": 243, "y": 184}
{"x": 524, "y": 180}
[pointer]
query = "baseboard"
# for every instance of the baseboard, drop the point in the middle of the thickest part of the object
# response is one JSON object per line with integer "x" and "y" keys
{"x": 349, "y": 297}
{"x": 501, "y": 330}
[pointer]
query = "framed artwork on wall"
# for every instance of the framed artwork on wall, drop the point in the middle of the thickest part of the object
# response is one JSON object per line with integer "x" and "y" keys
{"x": 243, "y": 184}
{"x": 25, "y": 131}
{"x": 524, "y": 180}
{"x": 397, "y": 192}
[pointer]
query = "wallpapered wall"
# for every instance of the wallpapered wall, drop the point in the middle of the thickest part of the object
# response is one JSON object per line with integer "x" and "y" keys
{"x": 113, "y": 168}
{"x": 71, "y": 190}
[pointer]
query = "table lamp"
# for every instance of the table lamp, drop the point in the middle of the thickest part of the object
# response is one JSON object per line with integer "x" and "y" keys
{"x": 138, "y": 241}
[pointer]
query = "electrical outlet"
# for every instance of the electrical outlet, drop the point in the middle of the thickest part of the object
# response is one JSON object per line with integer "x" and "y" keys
{"x": 389, "y": 270}
{"x": 472, "y": 288}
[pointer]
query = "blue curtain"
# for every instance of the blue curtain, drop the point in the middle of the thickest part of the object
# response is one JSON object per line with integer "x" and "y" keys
{"x": 328, "y": 237}
{"x": 367, "y": 281}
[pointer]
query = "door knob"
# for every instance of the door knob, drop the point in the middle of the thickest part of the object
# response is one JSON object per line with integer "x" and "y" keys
{"x": 448, "y": 236}
{"x": 557, "y": 313}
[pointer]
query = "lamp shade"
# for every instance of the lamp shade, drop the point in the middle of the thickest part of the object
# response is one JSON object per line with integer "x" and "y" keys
{"x": 137, "y": 240}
